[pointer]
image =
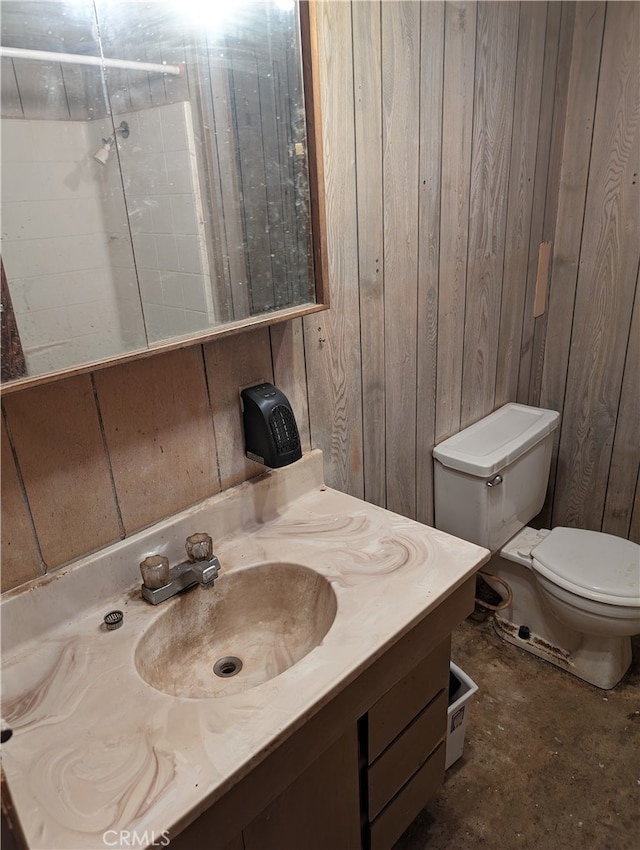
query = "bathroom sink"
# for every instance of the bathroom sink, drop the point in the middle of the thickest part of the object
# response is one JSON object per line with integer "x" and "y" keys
{"x": 251, "y": 626}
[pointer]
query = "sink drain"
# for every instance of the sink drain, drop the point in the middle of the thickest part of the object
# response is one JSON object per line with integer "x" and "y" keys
{"x": 227, "y": 666}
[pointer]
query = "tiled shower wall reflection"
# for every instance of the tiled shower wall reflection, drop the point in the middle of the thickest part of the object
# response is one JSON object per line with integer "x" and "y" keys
{"x": 162, "y": 191}
{"x": 56, "y": 245}
{"x": 78, "y": 292}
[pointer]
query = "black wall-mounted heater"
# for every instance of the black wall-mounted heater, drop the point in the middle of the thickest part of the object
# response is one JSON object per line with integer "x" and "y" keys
{"x": 270, "y": 430}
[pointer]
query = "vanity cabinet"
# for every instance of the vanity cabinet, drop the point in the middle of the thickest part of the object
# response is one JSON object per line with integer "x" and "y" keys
{"x": 405, "y": 735}
{"x": 319, "y": 810}
{"x": 358, "y": 772}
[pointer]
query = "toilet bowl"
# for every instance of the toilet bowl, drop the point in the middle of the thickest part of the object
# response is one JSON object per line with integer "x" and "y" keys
{"x": 590, "y": 580}
{"x": 576, "y": 593}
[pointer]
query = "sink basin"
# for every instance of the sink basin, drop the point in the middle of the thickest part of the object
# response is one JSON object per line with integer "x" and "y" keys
{"x": 251, "y": 626}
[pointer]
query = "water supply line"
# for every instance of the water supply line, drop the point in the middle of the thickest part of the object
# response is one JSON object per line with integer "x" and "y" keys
{"x": 505, "y": 603}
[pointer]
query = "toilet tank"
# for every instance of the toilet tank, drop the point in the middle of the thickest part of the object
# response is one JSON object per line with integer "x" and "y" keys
{"x": 491, "y": 478}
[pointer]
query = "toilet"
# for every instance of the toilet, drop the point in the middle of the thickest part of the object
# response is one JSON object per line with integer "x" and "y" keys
{"x": 575, "y": 593}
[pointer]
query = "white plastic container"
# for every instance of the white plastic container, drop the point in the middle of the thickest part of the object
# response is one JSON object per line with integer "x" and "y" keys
{"x": 457, "y": 714}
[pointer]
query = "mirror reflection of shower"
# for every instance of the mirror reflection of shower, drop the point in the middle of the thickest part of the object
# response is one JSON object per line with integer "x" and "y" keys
{"x": 102, "y": 154}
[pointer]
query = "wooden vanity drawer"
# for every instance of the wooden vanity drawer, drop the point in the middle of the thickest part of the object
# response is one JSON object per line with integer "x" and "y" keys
{"x": 405, "y": 806}
{"x": 407, "y": 754}
{"x": 397, "y": 708}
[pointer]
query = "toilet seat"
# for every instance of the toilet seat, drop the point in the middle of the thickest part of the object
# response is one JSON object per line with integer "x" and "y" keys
{"x": 591, "y": 564}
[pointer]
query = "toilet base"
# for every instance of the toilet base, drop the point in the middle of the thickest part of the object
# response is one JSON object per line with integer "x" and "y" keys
{"x": 595, "y": 659}
{"x": 598, "y": 659}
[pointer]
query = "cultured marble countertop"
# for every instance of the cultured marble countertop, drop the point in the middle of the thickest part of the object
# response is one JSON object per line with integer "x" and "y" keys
{"x": 95, "y": 748}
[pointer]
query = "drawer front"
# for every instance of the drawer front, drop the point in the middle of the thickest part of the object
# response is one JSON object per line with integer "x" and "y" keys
{"x": 407, "y": 754}
{"x": 404, "y": 808}
{"x": 397, "y": 708}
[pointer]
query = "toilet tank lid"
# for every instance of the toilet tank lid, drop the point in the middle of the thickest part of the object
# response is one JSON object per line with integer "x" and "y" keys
{"x": 490, "y": 444}
{"x": 593, "y": 564}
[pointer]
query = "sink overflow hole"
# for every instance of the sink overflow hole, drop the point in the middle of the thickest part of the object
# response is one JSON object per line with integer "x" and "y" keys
{"x": 227, "y": 666}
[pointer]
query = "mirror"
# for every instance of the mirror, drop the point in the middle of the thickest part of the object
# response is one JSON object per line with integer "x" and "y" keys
{"x": 158, "y": 176}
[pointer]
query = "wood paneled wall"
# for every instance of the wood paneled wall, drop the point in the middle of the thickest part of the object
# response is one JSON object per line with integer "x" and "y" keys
{"x": 437, "y": 168}
{"x": 589, "y": 353}
{"x": 462, "y": 136}
{"x": 457, "y": 137}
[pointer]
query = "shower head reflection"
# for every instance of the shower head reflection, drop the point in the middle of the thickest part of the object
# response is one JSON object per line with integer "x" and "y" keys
{"x": 102, "y": 154}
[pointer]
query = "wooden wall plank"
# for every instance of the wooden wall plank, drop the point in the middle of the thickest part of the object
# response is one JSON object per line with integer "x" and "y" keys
{"x": 429, "y": 236}
{"x": 287, "y": 97}
{"x": 248, "y": 148}
{"x": 553, "y": 113}
{"x": 159, "y": 435}
{"x": 265, "y": 155}
{"x": 576, "y": 149}
{"x": 41, "y": 87}
{"x": 9, "y": 94}
{"x": 50, "y": 90}
{"x": 625, "y": 456}
{"x": 496, "y": 54}
{"x": 21, "y": 558}
{"x": 367, "y": 48}
{"x": 177, "y": 88}
{"x": 153, "y": 38}
{"x": 526, "y": 116}
{"x": 276, "y": 154}
{"x": 152, "y": 49}
{"x": 401, "y": 131}
{"x": 608, "y": 265}
{"x": 287, "y": 354}
{"x": 56, "y": 433}
{"x": 457, "y": 123}
{"x": 81, "y": 106}
{"x": 225, "y": 221}
{"x": 332, "y": 339}
{"x": 551, "y": 104}
{"x": 233, "y": 363}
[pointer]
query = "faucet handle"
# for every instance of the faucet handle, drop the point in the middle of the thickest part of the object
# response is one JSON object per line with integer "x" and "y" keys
{"x": 199, "y": 547}
{"x": 155, "y": 571}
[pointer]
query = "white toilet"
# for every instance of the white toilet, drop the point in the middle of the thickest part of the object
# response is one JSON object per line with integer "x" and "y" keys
{"x": 576, "y": 593}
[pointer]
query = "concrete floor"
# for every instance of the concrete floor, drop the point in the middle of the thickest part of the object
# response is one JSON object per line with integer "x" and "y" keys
{"x": 550, "y": 762}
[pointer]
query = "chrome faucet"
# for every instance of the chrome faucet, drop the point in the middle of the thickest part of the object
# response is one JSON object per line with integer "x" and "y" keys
{"x": 160, "y": 581}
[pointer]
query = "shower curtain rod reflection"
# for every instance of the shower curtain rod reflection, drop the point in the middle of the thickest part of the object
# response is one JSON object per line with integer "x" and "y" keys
{"x": 76, "y": 59}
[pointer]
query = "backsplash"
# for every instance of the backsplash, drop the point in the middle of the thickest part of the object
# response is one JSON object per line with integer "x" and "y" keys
{"x": 93, "y": 458}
